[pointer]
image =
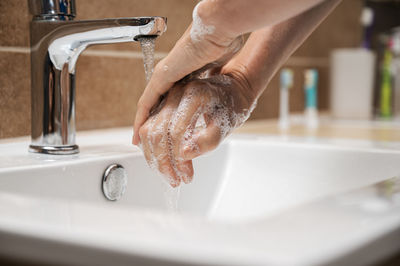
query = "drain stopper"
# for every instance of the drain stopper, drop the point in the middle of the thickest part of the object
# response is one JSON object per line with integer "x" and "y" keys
{"x": 115, "y": 181}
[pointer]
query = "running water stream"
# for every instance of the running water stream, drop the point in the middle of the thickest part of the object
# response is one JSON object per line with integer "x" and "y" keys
{"x": 147, "y": 44}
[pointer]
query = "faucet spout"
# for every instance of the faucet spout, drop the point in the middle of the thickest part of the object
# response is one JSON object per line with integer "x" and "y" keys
{"x": 55, "y": 48}
{"x": 66, "y": 49}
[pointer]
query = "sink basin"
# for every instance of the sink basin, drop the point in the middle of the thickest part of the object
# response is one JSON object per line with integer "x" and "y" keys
{"x": 256, "y": 200}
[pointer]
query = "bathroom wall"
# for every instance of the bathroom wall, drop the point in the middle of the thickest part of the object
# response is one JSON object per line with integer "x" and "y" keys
{"x": 110, "y": 78}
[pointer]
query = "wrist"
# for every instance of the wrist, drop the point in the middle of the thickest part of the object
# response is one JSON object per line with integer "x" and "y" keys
{"x": 244, "y": 84}
{"x": 242, "y": 75}
{"x": 207, "y": 25}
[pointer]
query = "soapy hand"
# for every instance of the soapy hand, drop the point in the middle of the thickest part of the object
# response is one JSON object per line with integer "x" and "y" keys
{"x": 202, "y": 108}
{"x": 192, "y": 119}
{"x": 215, "y": 26}
{"x": 200, "y": 45}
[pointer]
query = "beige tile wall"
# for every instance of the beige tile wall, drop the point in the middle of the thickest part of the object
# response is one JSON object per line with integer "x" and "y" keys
{"x": 110, "y": 78}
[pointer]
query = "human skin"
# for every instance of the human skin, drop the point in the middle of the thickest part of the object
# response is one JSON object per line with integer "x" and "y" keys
{"x": 229, "y": 19}
{"x": 169, "y": 138}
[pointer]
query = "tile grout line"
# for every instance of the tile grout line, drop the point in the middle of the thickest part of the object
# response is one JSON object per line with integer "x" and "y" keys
{"x": 14, "y": 49}
{"x": 293, "y": 61}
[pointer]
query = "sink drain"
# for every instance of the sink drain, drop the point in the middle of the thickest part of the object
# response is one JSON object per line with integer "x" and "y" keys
{"x": 115, "y": 181}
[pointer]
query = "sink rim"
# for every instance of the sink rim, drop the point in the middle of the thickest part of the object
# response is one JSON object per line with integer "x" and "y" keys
{"x": 19, "y": 146}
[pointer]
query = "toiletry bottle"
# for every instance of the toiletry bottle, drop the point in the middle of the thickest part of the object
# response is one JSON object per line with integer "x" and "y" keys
{"x": 386, "y": 84}
{"x": 286, "y": 80}
{"x": 310, "y": 88}
{"x": 395, "y": 69}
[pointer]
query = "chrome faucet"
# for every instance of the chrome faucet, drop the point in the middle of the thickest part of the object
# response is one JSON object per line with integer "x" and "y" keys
{"x": 56, "y": 43}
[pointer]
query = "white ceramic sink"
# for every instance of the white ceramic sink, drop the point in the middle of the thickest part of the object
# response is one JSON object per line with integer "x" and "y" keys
{"x": 256, "y": 200}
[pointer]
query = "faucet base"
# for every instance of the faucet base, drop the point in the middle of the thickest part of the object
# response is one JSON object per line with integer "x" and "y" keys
{"x": 54, "y": 150}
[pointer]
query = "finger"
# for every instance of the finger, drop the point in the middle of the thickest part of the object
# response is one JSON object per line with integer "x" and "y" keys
{"x": 182, "y": 126}
{"x": 203, "y": 141}
{"x": 183, "y": 59}
{"x": 183, "y": 122}
{"x": 142, "y": 113}
{"x": 186, "y": 171}
{"x": 162, "y": 145}
{"x": 147, "y": 112}
{"x": 154, "y": 146}
{"x": 167, "y": 169}
{"x": 161, "y": 150}
{"x": 146, "y": 145}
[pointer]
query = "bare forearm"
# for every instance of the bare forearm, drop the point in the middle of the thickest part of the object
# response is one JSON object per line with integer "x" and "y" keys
{"x": 268, "y": 48}
{"x": 235, "y": 17}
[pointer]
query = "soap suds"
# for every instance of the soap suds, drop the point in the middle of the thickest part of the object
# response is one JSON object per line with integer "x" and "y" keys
{"x": 204, "y": 101}
{"x": 152, "y": 160}
{"x": 217, "y": 103}
{"x": 177, "y": 115}
{"x": 199, "y": 29}
{"x": 151, "y": 139}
